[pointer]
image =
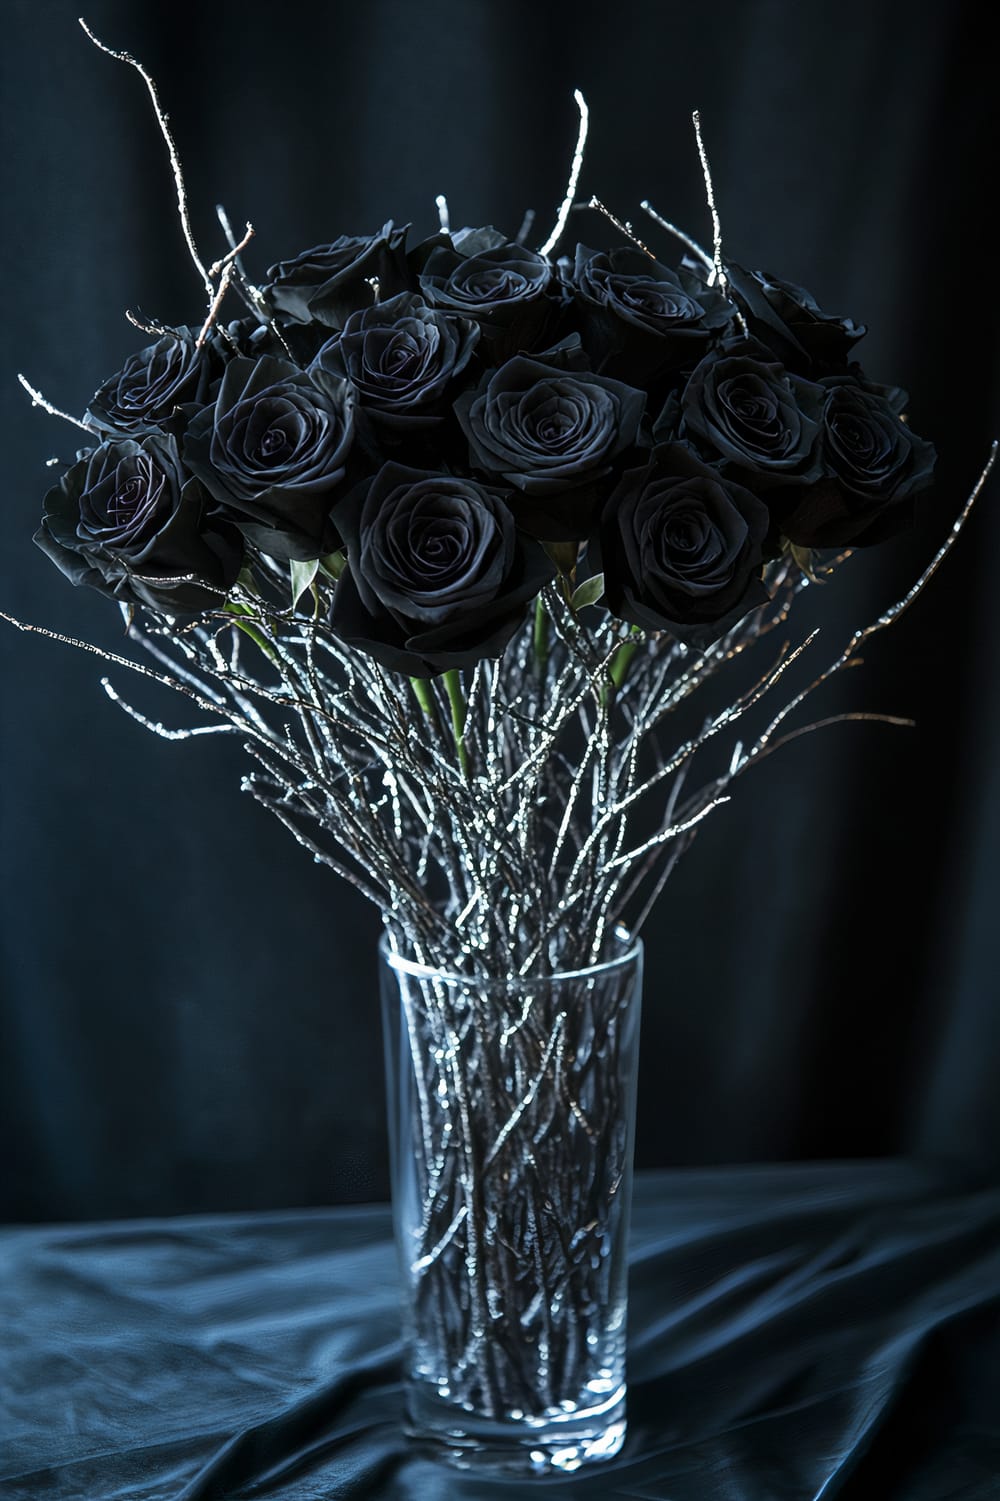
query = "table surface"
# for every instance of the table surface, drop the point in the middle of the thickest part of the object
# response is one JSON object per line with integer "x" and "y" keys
{"x": 796, "y": 1332}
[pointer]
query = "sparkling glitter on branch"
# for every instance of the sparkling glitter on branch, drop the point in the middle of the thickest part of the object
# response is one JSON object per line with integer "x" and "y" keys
{"x": 153, "y": 327}
{"x": 155, "y": 727}
{"x": 719, "y": 273}
{"x": 574, "y": 176}
{"x": 540, "y": 809}
{"x": 38, "y": 400}
{"x": 622, "y": 225}
{"x": 678, "y": 234}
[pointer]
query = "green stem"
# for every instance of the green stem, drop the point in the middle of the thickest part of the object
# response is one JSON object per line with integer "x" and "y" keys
{"x": 453, "y": 684}
{"x": 541, "y": 639}
{"x": 619, "y": 664}
{"x": 619, "y": 667}
{"x": 423, "y": 695}
{"x": 239, "y": 614}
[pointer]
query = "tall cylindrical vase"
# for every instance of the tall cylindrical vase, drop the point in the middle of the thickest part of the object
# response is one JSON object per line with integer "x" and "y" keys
{"x": 511, "y": 1115}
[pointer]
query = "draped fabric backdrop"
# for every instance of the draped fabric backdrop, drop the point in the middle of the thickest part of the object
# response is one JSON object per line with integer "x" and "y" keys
{"x": 188, "y": 1016}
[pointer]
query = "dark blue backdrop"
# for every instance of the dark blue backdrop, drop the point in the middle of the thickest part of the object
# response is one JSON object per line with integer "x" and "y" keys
{"x": 187, "y": 1007}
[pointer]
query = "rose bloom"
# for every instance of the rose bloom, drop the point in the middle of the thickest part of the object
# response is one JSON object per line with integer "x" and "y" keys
{"x": 272, "y": 450}
{"x": 127, "y": 519}
{"x": 874, "y": 466}
{"x": 401, "y": 358}
{"x": 681, "y": 547}
{"x": 438, "y": 575}
{"x": 551, "y": 432}
{"x": 743, "y": 410}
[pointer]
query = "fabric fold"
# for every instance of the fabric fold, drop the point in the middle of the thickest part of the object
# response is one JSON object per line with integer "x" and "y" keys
{"x": 815, "y": 1332}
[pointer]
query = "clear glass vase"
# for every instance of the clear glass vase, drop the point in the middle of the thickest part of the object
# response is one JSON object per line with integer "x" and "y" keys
{"x": 512, "y": 1116}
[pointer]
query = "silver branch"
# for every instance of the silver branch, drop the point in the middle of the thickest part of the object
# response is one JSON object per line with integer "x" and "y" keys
{"x": 718, "y": 265}
{"x": 576, "y": 166}
{"x": 554, "y": 815}
{"x": 38, "y": 400}
{"x": 175, "y": 161}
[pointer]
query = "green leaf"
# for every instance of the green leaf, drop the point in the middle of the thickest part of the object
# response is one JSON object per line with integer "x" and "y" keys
{"x": 246, "y": 580}
{"x": 333, "y": 564}
{"x": 303, "y": 577}
{"x": 587, "y": 593}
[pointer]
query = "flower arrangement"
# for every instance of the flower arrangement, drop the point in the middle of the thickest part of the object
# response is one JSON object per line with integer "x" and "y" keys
{"x": 482, "y": 517}
{"x": 451, "y": 534}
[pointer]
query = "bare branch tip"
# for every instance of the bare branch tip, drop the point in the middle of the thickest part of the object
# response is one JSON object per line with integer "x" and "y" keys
{"x": 102, "y": 46}
{"x": 576, "y": 167}
{"x": 163, "y": 122}
{"x": 38, "y": 400}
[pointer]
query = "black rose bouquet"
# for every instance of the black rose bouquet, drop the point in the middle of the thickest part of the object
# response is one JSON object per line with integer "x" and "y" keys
{"x": 451, "y": 531}
{"x": 461, "y": 500}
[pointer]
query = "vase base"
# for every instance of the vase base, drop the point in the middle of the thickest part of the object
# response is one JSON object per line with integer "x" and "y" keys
{"x": 557, "y": 1443}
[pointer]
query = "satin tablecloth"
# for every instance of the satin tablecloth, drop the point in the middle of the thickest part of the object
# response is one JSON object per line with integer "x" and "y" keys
{"x": 796, "y": 1333}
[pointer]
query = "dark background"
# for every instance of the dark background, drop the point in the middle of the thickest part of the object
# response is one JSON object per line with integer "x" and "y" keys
{"x": 188, "y": 1010}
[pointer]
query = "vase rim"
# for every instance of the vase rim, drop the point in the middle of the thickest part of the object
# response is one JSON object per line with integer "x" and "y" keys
{"x": 631, "y": 950}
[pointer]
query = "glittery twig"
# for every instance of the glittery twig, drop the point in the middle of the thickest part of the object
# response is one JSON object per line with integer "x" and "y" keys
{"x": 719, "y": 276}
{"x": 574, "y": 177}
{"x": 216, "y": 304}
{"x": 38, "y": 400}
{"x": 622, "y": 225}
{"x": 235, "y": 250}
{"x": 678, "y": 234}
{"x": 175, "y": 162}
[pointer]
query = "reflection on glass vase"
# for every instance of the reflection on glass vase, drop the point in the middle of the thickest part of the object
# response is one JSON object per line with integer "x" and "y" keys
{"x": 511, "y": 1116}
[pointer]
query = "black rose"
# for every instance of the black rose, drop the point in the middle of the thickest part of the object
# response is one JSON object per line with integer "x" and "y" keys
{"x": 874, "y": 466}
{"x": 438, "y": 575}
{"x": 639, "y": 317}
{"x": 553, "y": 432}
{"x": 128, "y": 520}
{"x": 330, "y": 282}
{"x": 272, "y": 451}
{"x": 789, "y": 321}
{"x": 502, "y": 285}
{"x": 745, "y": 411}
{"x": 401, "y": 357}
{"x": 146, "y": 392}
{"x": 682, "y": 548}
